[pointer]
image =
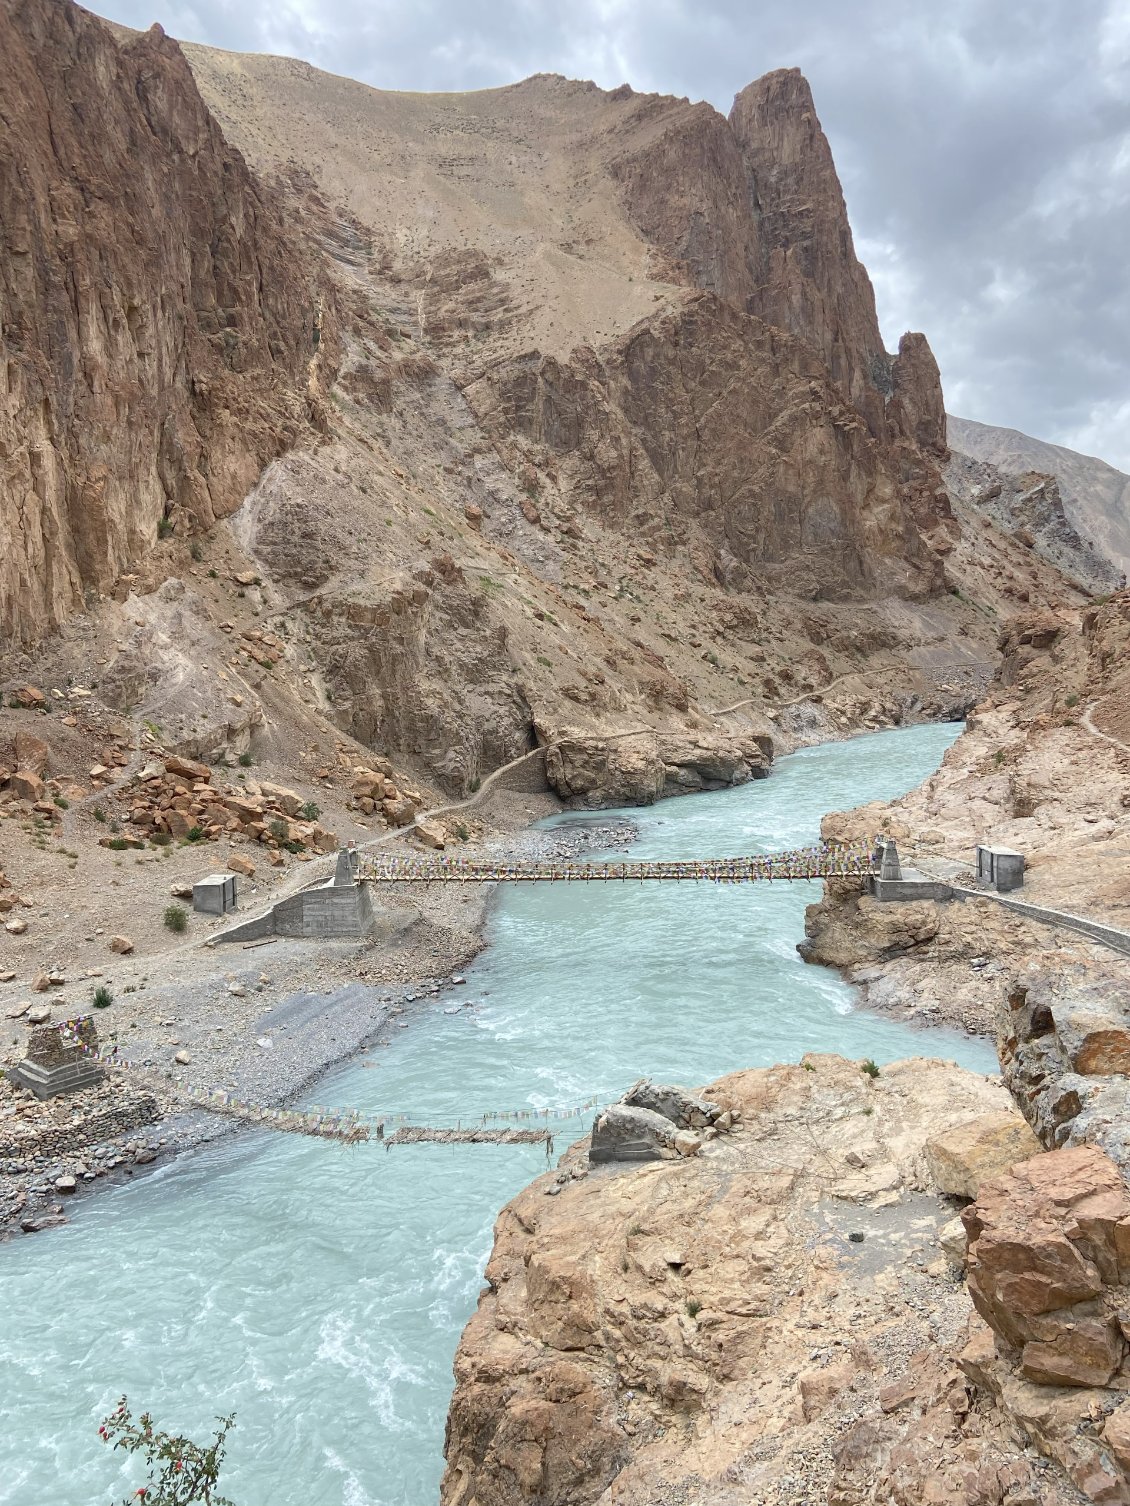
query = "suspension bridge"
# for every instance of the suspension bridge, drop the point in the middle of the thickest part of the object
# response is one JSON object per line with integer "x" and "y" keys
{"x": 825, "y": 860}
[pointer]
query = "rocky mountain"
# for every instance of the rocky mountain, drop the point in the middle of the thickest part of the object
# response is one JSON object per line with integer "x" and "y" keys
{"x": 1096, "y": 496}
{"x": 160, "y": 331}
{"x": 542, "y": 414}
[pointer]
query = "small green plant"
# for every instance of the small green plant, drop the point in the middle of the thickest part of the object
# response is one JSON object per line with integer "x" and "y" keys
{"x": 870, "y": 1069}
{"x": 543, "y": 660}
{"x": 693, "y": 1306}
{"x": 103, "y": 998}
{"x": 176, "y": 918}
{"x": 869, "y": 1111}
{"x": 115, "y": 827}
{"x": 635, "y": 1229}
{"x": 279, "y": 830}
{"x": 998, "y": 757}
{"x": 808, "y": 1067}
{"x": 64, "y": 805}
{"x": 462, "y": 831}
{"x": 476, "y": 783}
{"x": 194, "y": 834}
{"x": 161, "y": 839}
{"x": 179, "y": 1472}
{"x": 164, "y": 528}
{"x": 245, "y": 760}
{"x": 1072, "y": 700}
{"x": 118, "y": 844}
{"x": 99, "y": 813}
{"x": 196, "y": 549}
{"x": 311, "y": 811}
{"x": 213, "y": 575}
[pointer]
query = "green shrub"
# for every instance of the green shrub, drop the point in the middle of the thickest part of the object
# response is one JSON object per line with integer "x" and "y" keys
{"x": 870, "y": 1069}
{"x": 1072, "y": 700}
{"x": 164, "y": 528}
{"x": 194, "y": 834}
{"x": 103, "y": 998}
{"x": 65, "y": 805}
{"x": 161, "y": 839}
{"x": 245, "y": 760}
{"x": 694, "y": 1307}
{"x": 196, "y": 549}
{"x": 179, "y": 1472}
{"x": 279, "y": 830}
{"x": 176, "y": 918}
{"x": 213, "y": 575}
{"x": 118, "y": 844}
{"x": 310, "y": 811}
{"x": 462, "y": 831}
{"x": 99, "y": 813}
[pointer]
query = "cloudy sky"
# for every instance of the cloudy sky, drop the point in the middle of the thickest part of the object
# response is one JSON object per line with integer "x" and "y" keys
{"x": 984, "y": 148}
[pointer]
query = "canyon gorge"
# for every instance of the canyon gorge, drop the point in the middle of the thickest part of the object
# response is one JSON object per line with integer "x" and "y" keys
{"x": 390, "y": 467}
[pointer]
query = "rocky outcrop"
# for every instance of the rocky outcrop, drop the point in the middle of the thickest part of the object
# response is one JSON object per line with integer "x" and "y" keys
{"x": 638, "y": 768}
{"x": 770, "y": 1319}
{"x": 1028, "y": 505}
{"x": 1095, "y": 494}
{"x": 1048, "y": 1268}
{"x": 159, "y": 329}
{"x": 706, "y": 418}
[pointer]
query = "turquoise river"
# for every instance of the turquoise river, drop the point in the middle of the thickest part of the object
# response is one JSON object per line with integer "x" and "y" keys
{"x": 319, "y": 1292}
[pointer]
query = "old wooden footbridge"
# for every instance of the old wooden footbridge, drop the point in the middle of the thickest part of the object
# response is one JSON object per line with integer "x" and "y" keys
{"x": 825, "y": 860}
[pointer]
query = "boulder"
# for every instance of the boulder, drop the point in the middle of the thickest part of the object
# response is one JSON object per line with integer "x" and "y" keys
{"x": 431, "y": 834}
{"x": 287, "y": 800}
{"x": 399, "y": 811}
{"x": 16, "y": 926}
{"x": 39, "y": 1014}
{"x": 674, "y": 1103}
{"x": 238, "y": 863}
{"x": 32, "y": 754}
{"x": 962, "y": 1158}
{"x": 27, "y": 786}
{"x": 187, "y": 768}
{"x": 1049, "y": 1256}
{"x": 620, "y": 1133}
{"x": 121, "y": 944}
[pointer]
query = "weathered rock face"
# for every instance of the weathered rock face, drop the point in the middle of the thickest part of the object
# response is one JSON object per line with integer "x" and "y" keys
{"x": 706, "y": 417}
{"x": 1048, "y": 1266}
{"x": 743, "y": 1325}
{"x": 158, "y": 328}
{"x": 638, "y": 769}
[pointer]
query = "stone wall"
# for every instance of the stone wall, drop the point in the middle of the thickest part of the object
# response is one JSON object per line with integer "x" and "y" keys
{"x": 127, "y": 1111}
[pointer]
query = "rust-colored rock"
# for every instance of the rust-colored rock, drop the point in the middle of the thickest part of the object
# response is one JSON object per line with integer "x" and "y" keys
{"x": 158, "y": 323}
{"x": 965, "y": 1157}
{"x": 1049, "y": 1249}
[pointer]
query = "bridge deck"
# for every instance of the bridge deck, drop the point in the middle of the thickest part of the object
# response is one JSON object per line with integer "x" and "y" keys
{"x": 798, "y": 865}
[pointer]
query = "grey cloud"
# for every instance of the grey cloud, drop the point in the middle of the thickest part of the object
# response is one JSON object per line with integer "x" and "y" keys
{"x": 984, "y": 148}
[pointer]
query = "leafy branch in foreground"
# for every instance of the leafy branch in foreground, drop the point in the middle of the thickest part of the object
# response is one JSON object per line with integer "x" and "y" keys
{"x": 180, "y": 1472}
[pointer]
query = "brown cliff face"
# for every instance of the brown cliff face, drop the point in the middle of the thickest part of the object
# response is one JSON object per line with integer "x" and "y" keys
{"x": 811, "y": 283}
{"x": 706, "y": 418}
{"x": 158, "y": 328}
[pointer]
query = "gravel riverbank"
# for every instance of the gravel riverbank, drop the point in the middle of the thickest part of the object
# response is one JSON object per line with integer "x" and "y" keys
{"x": 263, "y": 1021}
